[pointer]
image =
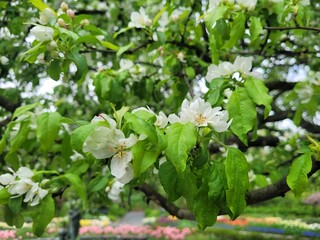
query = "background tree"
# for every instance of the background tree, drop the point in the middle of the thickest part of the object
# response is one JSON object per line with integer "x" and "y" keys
{"x": 247, "y": 68}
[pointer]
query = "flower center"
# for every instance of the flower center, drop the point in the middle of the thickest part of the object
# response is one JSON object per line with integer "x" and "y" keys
{"x": 200, "y": 118}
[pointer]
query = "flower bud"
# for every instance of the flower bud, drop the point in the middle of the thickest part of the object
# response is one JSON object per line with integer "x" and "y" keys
{"x": 70, "y": 13}
{"x": 53, "y": 45}
{"x": 64, "y": 7}
{"x": 4, "y": 60}
{"x": 84, "y": 22}
{"x": 61, "y": 22}
{"x": 54, "y": 54}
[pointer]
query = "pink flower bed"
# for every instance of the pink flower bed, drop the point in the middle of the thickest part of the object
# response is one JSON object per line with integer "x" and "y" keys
{"x": 158, "y": 232}
{"x": 7, "y": 234}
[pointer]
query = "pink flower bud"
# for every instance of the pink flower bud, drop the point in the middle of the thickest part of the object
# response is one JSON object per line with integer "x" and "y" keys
{"x": 70, "y": 13}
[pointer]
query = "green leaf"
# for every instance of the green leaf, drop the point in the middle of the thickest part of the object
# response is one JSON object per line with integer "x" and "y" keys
{"x": 23, "y": 109}
{"x": 19, "y": 140}
{"x": 32, "y": 54}
{"x": 81, "y": 62}
{"x": 191, "y": 73}
{"x": 188, "y": 185}
{"x": 14, "y": 204}
{"x": 4, "y": 196}
{"x": 12, "y": 159}
{"x": 141, "y": 126}
{"x": 13, "y": 219}
{"x": 77, "y": 184}
{"x": 145, "y": 154}
{"x": 238, "y": 181}
{"x": 181, "y": 139}
{"x": 48, "y": 126}
{"x": 205, "y": 209}
{"x": 169, "y": 180}
{"x": 297, "y": 178}
{"x": 237, "y": 31}
{"x": 45, "y": 213}
{"x": 124, "y": 49}
{"x": 255, "y": 27}
{"x": 108, "y": 88}
{"x": 259, "y": 93}
{"x": 40, "y": 5}
{"x": 69, "y": 33}
{"x": 79, "y": 135}
{"x": 109, "y": 45}
{"x": 215, "y": 15}
{"x": 215, "y": 90}
{"x": 242, "y": 111}
{"x": 54, "y": 70}
{"x": 217, "y": 183}
{"x": 78, "y": 167}
{"x": 98, "y": 183}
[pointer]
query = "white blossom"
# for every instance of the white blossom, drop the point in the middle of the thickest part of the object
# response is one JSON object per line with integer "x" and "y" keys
{"x": 249, "y": 4}
{"x": 104, "y": 117}
{"x": 241, "y": 65}
{"x": 162, "y": 119}
{"x": 104, "y": 142}
{"x": 139, "y": 19}
{"x": 305, "y": 2}
{"x": 201, "y": 114}
{"x": 175, "y": 15}
{"x": 42, "y": 33}
{"x": 125, "y": 64}
{"x": 4, "y": 60}
{"x": 227, "y": 93}
{"x": 20, "y": 182}
{"x": 114, "y": 192}
{"x": 180, "y": 56}
{"x": 47, "y": 16}
{"x": 216, "y": 71}
{"x": 163, "y": 22}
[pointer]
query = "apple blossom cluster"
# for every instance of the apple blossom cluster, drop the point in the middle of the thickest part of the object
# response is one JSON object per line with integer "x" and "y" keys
{"x": 240, "y": 65}
{"x": 107, "y": 141}
{"x": 20, "y": 183}
{"x": 48, "y": 18}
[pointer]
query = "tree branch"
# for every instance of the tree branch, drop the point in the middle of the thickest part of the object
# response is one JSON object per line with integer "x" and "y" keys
{"x": 259, "y": 142}
{"x": 278, "y": 189}
{"x": 153, "y": 195}
{"x": 293, "y": 28}
{"x": 275, "y": 190}
{"x": 280, "y": 85}
{"x": 7, "y": 104}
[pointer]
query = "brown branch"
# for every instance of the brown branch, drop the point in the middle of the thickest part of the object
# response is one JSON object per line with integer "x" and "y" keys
{"x": 280, "y": 85}
{"x": 280, "y": 188}
{"x": 277, "y": 189}
{"x": 7, "y": 104}
{"x": 153, "y": 195}
{"x": 259, "y": 142}
{"x": 293, "y": 28}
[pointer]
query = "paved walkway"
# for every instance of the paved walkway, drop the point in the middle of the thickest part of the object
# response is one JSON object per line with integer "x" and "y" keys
{"x": 132, "y": 218}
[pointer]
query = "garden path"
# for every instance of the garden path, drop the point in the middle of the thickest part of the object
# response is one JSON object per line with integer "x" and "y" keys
{"x": 133, "y": 218}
